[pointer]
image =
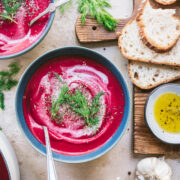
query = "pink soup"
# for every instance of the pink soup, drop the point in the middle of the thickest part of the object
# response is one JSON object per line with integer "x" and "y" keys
{"x": 4, "y": 175}
{"x": 17, "y": 37}
{"x": 73, "y": 136}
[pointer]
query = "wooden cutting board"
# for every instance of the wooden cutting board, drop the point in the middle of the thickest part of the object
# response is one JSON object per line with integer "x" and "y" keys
{"x": 92, "y": 32}
{"x": 144, "y": 140}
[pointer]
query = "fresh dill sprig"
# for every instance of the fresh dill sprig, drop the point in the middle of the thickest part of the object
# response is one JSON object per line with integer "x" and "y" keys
{"x": 11, "y": 7}
{"x": 77, "y": 103}
{"x": 80, "y": 105}
{"x": 2, "y": 101}
{"x": 96, "y": 9}
{"x": 95, "y": 104}
{"x": 65, "y": 6}
{"x": 7, "y": 82}
{"x": 62, "y": 98}
{"x": 7, "y": 17}
{"x": 58, "y": 77}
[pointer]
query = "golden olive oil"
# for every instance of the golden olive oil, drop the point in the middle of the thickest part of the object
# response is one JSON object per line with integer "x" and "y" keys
{"x": 167, "y": 112}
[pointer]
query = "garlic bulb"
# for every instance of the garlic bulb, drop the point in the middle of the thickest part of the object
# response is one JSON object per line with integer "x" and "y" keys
{"x": 153, "y": 169}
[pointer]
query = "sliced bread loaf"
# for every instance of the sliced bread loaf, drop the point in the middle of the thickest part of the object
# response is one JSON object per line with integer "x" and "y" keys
{"x": 165, "y": 2}
{"x": 159, "y": 28}
{"x": 132, "y": 47}
{"x": 146, "y": 75}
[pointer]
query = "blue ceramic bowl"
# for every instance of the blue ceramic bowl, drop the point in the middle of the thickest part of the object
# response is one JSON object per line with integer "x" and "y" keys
{"x": 48, "y": 26}
{"x": 8, "y": 156}
{"x": 22, "y": 86}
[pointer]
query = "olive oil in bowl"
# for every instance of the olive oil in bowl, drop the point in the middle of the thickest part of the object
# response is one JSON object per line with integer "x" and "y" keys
{"x": 167, "y": 112}
{"x": 162, "y": 113}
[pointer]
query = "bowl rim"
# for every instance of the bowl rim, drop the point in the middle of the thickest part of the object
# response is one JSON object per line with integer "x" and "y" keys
{"x": 43, "y": 35}
{"x": 107, "y": 145}
{"x": 10, "y": 159}
{"x": 145, "y": 116}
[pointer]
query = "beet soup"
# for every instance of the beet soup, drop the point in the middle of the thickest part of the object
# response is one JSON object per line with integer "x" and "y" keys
{"x": 79, "y": 100}
{"x": 15, "y": 34}
{"x": 4, "y": 174}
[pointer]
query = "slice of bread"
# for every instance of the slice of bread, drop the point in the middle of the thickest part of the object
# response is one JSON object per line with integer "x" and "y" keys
{"x": 132, "y": 47}
{"x": 165, "y": 2}
{"x": 147, "y": 76}
{"x": 159, "y": 28}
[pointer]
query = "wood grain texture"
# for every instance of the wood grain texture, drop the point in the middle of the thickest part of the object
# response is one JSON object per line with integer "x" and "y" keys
{"x": 144, "y": 141}
{"x": 92, "y": 32}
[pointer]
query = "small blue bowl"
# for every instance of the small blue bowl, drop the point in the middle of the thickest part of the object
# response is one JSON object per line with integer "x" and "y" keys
{"x": 22, "y": 86}
{"x": 48, "y": 26}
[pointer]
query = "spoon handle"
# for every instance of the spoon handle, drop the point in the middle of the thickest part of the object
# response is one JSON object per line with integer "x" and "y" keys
{"x": 60, "y": 2}
{"x": 50, "y": 163}
{"x": 51, "y": 8}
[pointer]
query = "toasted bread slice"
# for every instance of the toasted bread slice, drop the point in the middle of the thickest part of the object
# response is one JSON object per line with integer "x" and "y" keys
{"x": 132, "y": 47}
{"x": 165, "y": 2}
{"x": 147, "y": 76}
{"x": 159, "y": 28}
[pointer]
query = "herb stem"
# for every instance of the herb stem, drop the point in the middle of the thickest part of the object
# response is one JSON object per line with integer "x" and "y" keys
{"x": 11, "y": 7}
{"x": 2, "y": 101}
{"x": 7, "y": 82}
{"x": 97, "y": 10}
{"x": 7, "y": 17}
{"x": 77, "y": 103}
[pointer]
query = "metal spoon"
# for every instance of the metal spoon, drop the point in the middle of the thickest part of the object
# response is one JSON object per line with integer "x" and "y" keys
{"x": 51, "y": 8}
{"x": 50, "y": 163}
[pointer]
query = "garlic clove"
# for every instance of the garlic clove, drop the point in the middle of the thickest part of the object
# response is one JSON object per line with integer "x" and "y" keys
{"x": 153, "y": 169}
{"x": 144, "y": 167}
{"x": 140, "y": 178}
{"x": 163, "y": 170}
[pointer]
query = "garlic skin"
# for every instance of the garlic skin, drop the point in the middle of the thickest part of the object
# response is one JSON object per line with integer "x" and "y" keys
{"x": 153, "y": 169}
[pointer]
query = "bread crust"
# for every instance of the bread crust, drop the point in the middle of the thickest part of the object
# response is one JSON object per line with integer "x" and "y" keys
{"x": 151, "y": 85}
{"x": 147, "y": 41}
{"x": 137, "y": 59}
{"x": 165, "y": 2}
{"x": 149, "y": 45}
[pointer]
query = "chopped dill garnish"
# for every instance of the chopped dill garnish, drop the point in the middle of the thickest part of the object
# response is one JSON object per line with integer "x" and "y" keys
{"x": 7, "y": 17}
{"x": 77, "y": 103}
{"x": 11, "y": 7}
{"x": 7, "y": 82}
{"x": 2, "y": 101}
{"x": 58, "y": 77}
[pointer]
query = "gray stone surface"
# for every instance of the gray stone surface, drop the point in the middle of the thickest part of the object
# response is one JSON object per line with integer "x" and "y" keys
{"x": 112, "y": 166}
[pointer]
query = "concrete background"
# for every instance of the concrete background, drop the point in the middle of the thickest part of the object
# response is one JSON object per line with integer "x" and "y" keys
{"x": 120, "y": 162}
